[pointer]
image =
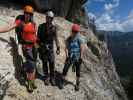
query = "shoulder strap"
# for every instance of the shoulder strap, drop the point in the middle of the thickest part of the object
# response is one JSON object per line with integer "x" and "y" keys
{"x": 78, "y": 41}
{"x": 41, "y": 30}
{"x": 34, "y": 25}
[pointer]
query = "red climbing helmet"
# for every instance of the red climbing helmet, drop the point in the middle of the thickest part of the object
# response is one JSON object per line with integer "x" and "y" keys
{"x": 75, "y": 28}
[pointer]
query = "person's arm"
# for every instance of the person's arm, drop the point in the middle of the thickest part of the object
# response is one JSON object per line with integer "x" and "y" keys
{"x": 7, "y": 28}
{"x": 81, "y": 50}
{"x": 57, "y": 42}
{"x": 82, "y": 45}
{"x": 39, "y": 32}
{"x": 66, "y": 52}
{"x": 66, "y": 47}
{"x": 56, "y": 39}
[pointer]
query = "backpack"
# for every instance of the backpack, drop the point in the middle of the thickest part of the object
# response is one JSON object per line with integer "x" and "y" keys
{"x": 19, "y": 29}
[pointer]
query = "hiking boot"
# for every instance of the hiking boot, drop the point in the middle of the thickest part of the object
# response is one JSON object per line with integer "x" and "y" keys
{"x": 46, "y": 82}
{"x": 52, "y": 81}
{"x": 29, "y": 87}
{"x": 34, "y": 85}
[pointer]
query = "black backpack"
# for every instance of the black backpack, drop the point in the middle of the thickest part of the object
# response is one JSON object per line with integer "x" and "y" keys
{"x": 19, "y": 29}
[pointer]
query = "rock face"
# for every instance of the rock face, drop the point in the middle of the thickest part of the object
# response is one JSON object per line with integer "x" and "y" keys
{"x": 99, "y": 80}
{"x": 60, "y": 7}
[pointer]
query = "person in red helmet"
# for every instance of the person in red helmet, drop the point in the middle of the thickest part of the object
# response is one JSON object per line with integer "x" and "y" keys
{"x": 75, "y": 28}
{"x": 26, "y": 31}
{"x": 74, "y": 53}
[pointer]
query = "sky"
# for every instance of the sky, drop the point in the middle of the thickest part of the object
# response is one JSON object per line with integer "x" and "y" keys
{"x": 111, "y": 15}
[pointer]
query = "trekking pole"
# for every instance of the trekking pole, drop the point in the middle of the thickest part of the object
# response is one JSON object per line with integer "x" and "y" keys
{"x": 1, "y": 79}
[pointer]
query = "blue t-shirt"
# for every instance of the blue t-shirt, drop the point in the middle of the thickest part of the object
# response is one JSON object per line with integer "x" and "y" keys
{"x": 73, "y": 46}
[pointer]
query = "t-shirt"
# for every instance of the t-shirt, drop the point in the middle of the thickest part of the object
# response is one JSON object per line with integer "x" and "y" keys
{"x": 46, "y": 36}
{"x": 25, "y": 32}
{"x": 73, "y": 45}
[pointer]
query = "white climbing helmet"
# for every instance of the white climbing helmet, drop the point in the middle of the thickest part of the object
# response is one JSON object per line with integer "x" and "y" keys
{"x": 50, "y": 14}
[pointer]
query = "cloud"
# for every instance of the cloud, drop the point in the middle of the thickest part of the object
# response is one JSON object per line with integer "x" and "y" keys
{"x": 91, "y": 15}
{"x": 128, "y": 23}
{"x": 110, "y": 6}
{"x": 105, "y": 18}
{"x": 106, "y": 22}
{"x": 130, "y": 16}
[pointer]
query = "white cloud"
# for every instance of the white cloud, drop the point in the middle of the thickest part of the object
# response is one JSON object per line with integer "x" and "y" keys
{"x": 128, "y": 23}
{"x": 105, "y": 18}
{"x": 106, "y": 22}
{"x": 91, "y": 15}
{"x": 110, "y": 6}
{"x": 130, "y": 16}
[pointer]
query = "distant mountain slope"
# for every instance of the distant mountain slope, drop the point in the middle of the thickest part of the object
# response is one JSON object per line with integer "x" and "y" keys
{"x": 121, "y": 46}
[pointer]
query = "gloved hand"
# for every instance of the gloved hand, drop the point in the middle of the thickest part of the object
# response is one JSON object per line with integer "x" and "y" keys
{"x": 58, "y": 51}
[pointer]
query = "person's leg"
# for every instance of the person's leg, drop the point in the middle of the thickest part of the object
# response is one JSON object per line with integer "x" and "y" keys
{"x": 77, "y": 64}
{"x": 66, "y": 67}
{"x": 30, "y": 68}
{"x": 45, "y": 69}
{"x": 26, "y": 67}
{"x": 31, "y": 81}
{"x": 52, "y": 73}
{"x": 64, "y": 73}
{"x": 44, "y": 57}
{"x": 34, "y": 53}
{"x": 52, "y": 67}
{"x": 30, "y": 73}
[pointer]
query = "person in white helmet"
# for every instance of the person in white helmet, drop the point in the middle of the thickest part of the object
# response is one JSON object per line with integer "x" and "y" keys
{"x": 46, "y": 36}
